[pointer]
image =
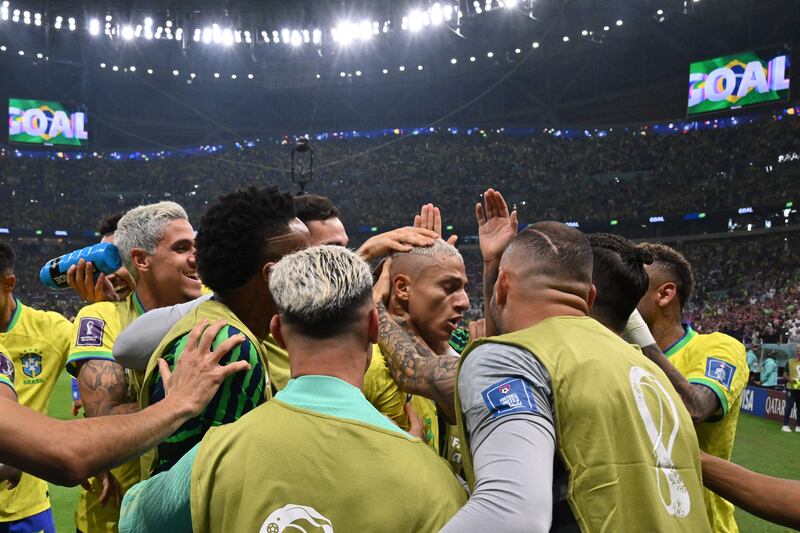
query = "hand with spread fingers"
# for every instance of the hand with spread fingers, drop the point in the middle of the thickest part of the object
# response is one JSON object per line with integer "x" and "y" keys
{"x": 399, "y": 240}
{"x": 430, "y": 217}
{"x": 496, "y": 226}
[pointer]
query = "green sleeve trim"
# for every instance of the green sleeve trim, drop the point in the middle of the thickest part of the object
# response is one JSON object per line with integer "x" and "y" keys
{"x": 15, "y": 316}
{"x": 7, "y": 382}
{"x": 714, "y": 386}
{"x": 78, "y": 357}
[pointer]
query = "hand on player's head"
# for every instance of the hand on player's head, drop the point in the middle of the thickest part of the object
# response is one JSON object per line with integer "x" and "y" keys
{"x": 399, "y": 240}
{"x": 198, "y": 374}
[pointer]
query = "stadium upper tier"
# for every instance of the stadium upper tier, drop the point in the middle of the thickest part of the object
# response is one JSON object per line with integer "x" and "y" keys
{"x": 630, "y": 181}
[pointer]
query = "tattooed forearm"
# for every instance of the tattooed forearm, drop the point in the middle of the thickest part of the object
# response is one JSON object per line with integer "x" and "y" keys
{"x": 700, "y": 401}
{"x": 414, "y": 366}
{"x": 103, "y": 389}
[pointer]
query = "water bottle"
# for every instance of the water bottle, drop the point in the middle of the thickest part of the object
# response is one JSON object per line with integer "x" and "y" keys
{"x": 103, "y": 256}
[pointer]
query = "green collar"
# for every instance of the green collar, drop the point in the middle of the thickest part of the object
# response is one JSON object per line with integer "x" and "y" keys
{"x": 683, "y": 341}
{"x": 140, "y": 310}
{"x": 15, "y": 315}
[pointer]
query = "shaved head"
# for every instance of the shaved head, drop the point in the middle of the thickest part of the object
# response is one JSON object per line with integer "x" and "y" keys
{"x": 418, "y": 258}
{"x": 550, "y": 250}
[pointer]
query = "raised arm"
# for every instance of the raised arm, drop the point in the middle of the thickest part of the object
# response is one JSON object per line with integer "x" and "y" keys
{"x": 67, "y": 452}
{"x": 496, "y": 229}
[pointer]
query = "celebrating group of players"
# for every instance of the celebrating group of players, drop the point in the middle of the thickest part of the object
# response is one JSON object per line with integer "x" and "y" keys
{"x": 260, "y": 376}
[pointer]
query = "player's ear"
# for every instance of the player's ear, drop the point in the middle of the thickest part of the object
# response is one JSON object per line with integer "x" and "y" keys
{"x": 666, "y": 293}
{"x": 265, "y": 270}
{"x": 401, "y": 287}
{"x": 141, "y": 259}
{"x": 501, "y": 288}
{"x": 372, "y": 330}
{"x": 275, "y": 329}
{"x": 592, "y": 296}
{"x": 9, "y": 283}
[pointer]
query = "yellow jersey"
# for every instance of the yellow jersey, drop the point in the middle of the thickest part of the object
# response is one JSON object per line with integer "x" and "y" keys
{"x": 385, "y": 395}
{"x": 93, "y": 335}
{"x": 718, "y": 362}
{"x": 278, "y": 359}
{"x": 37, "y": 343}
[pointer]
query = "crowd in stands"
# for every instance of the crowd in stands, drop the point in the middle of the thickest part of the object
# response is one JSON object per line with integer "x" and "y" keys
{"x": 543, "y": 176}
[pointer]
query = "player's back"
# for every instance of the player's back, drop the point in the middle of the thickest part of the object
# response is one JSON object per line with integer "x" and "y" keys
{"x": 281, "y": 467}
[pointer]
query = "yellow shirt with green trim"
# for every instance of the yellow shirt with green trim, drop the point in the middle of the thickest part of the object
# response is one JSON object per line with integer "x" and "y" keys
{"x": 718, "y": 362}
{"x": 37, "y": 343}
{"x": 385, "y": 395}
{"x": 93, "y": 335}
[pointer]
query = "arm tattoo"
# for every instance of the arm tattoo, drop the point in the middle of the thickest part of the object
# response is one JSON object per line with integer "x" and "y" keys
{"x": 103, "y": 389}
{"x": 414, "y": 366}
{"x": 706, "y": 403}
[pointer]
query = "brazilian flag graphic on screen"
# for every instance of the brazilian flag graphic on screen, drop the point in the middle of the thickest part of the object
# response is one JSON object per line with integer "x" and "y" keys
{"x": 45, "y": 122}
{"x": 739, "y": 80}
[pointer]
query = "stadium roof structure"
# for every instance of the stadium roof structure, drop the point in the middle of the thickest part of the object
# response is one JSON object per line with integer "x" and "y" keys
{"x": 172, "y": 73}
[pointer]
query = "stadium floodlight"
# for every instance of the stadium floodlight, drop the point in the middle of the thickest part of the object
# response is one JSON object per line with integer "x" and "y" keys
{"x": 471, "y": 59}
{"x": 178, "y": 34}
{"x": 316, "y": 36}
{"x": 453, "y": 61}
{"x": 343, "y": 74}
{"x": 138, "y": 31}
{"x": 296, "y": 39}
{"x": 216, "y": 33}
{"x": 404, "y": 24}
{"x": 402, "y": 68}
{"x": 175, "y": 72}
{"x": 127, "y": 33}
{"x": 660, "y": 12}
{"x": 535, "y": 44}
{"x": 248, "y": 37}
{"x": 585, "y": 33}
{"x": 148, "y": 22}
{"x": 115, "y": 68}
{"x": 39, "y": 55}
{"x": 71, "y": 21}
{"x": 109, "y": 18}
{"x": 132, "y": 68}
{"x": 517, "y": 51}
{"x": 265, "y": 36}
{"x": 226, "y": 37}
{"x": 415, "y": 20}
{"x": 192, "y": 75}
{"x": 22, "y": 52}
{"x": 510, "y": 4}
{"x": 306, "y": 36}
{"x": 237, "y": 36}
{"x": 358, "y": 73}
{"x": 490, "y": 55}
{"x": 3, "y": 48}
{"x": 619, "y": 22}
{"x": 285, "y": 35}
{"x": 233, "y": 76}
{"x": 4, "y": 13}
{"x": 376, "y": 27}
{"x": 419, "y": 67}
{"x": 386, "y": 71}
{"x": 437, "y": 16}
{"x": 216, "y": 74}
{"x": 448, "y": 12}
{"x": 385, "y": 26}
{"x": 206, "y": 35}
{"x": 275, "y": 37}
{"x": 250, "y": 76}
{"x": 197, "y": 34}
{"x": 565, "y": 38}
{"x": 102, "y": 65}
{"x": 149, "y": 71}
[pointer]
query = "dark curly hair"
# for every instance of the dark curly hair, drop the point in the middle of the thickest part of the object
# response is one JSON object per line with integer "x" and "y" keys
{"x": 230, "y": 239}
{"x": 675, "y": 266}
{"x": 108, "y": 224}
{"x": 311, "y": 207}
{"x": 619, "y": 276}
{"x": 7, "y": 257}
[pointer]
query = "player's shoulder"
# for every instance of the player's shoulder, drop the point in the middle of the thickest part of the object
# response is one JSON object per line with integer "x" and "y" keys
{"x": 722, "y": 344}
{"x": 99, "y": 310}
{"x": 492, "y": 361}
{"x": 30, "y": 316}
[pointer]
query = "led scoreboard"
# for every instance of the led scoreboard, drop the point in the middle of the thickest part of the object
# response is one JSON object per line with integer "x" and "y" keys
{"x": 46, "y": 123}
{"x": 739, "y": 80}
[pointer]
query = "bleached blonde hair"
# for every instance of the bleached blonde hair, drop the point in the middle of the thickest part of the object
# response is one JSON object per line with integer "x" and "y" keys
{"x": 320, "y": 284}
{"x": 440, "y": 248}
{"x": 143, "y": 227}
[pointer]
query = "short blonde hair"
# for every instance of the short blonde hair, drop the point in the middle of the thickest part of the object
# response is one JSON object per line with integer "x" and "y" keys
{"x": 320, "y": 288}
{"x": 143, "y": 227}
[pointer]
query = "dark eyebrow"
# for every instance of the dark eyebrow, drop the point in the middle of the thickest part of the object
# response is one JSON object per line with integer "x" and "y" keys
{"x": 182, "y": 242}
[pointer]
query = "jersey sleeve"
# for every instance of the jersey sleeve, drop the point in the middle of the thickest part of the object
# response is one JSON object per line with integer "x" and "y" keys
{"x": 382, "y": 391}
{"x": 93, "y": 334}
{"x": 6, "y": 370}
{"x": 60, "y": 335}
{"x": 498, "y": 383}
{"x": 720, "y": 365}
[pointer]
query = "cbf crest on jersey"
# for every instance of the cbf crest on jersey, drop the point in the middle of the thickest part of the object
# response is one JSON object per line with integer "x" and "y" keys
{"x": 721, "y": 371}
{"x": 31, "y": 364}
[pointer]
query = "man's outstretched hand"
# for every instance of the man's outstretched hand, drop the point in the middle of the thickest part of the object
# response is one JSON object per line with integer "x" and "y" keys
{"x": 198, "y": 374}
{"x": 496, "y": 227}
{"x": 399, "y": 240}
{"x": 430, "y": 218}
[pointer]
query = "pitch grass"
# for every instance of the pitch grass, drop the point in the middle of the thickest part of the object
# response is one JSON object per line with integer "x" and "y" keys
{"x": 760, "y": 446}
